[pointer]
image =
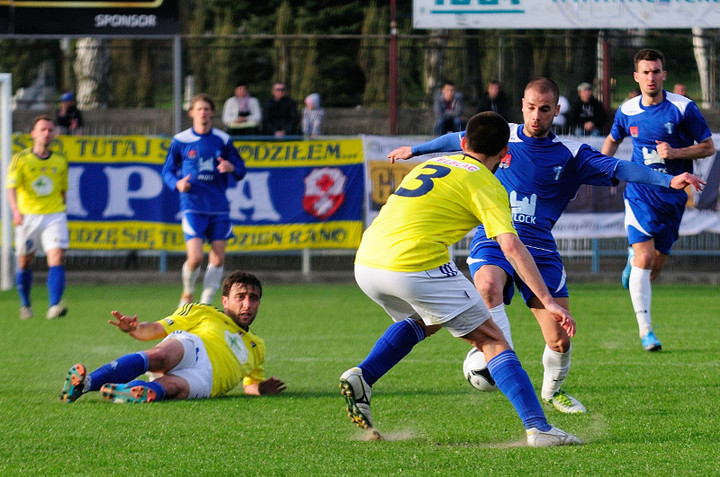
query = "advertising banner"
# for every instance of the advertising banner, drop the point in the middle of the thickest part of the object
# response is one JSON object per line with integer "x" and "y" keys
{"x": 596, "y": 212}
{"x": 299, "y": 194}
{"x": 565, "y": 14}
{"x": 89, "y": 17}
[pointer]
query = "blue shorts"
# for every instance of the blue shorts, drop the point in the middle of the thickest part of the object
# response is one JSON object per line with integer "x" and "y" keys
{"x": 642, "y": 225}
{"x": 484, "y": 251}
{"x": 209, "y": 227}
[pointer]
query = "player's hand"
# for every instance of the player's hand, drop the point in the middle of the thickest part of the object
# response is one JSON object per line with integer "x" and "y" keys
{"x": 563, "y": 317}
{"x": 126, "y": 324}
{"x": 685, "y": 179}
{"x": 401, "y": 153}
{"x": 17, "y": 218}
{"x": 271, "y": 386}
{"x": 183, "y": 185}
{"x": 665, "y": 150}
{"x": 225, "y": 166}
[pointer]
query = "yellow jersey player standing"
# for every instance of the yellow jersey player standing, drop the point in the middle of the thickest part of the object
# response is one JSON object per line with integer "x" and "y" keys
{"x": 204, "y": 353}
{"x": 403, "y": 264}
{"x": 37, "y": 183}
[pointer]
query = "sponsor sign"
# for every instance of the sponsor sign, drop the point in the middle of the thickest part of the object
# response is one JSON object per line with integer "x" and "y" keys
{"x": 302, "y": 194}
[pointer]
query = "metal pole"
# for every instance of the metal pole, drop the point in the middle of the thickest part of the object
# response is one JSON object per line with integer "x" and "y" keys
{"x": 6, "y": 282}
{"x": 393, "y": 70}
{"x": 177, "y": 83}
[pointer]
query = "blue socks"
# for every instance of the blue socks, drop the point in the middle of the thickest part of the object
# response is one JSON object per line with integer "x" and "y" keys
{"x": 56, "y": 283}
{"x": 122, "y": 370}
{"x": 23, "y": 283}
{"x": 397, "y": 341}
{"x": 513, "y": 381}
{"x": 159, "y": 390}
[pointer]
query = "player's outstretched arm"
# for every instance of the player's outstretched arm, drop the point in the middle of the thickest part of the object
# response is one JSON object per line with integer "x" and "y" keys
{"x": 686, "y": 179}
{"x": 400, "y": 154}
{"x": 523, "y": 263}
{"x": 142, "y": 331}
{"x": 270, "y": 386}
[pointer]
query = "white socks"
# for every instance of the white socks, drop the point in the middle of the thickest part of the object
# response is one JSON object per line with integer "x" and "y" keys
{"x": 189, "y": 277}
{"x": 501, "y": 320}
{"x": 211, "y": 283}
{"x": 557, "y": 367}
{"x": 641, "y": 296}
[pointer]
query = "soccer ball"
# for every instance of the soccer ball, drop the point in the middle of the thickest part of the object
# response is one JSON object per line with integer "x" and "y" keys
{"x": 476, "y": 372}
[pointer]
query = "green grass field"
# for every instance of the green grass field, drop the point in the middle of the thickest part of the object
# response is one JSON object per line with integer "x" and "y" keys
{"x": 649, "y": 414}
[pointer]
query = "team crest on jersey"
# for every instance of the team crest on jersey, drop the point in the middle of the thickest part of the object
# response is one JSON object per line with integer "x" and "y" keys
{"x": 557, "y": 172}
{"x": 192, "y": 154}
{"x": 634, "y": 131}
{"x": 505, "y": 161}
{"x": 324, "y": 192}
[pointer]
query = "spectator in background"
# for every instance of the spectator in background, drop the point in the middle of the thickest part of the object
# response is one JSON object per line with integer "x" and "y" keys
{"x": 560, "y": 122}
{"x": 312, "y": 116}
{"x": 495, "y": 100}
{"x": 280, "y": 115}
{"x": 69, "y": 118}
{"x": 241, "y": 114}
{"x": 679, "y": 88}
{"x": 448, "y": 107}
{"x": 632, "y": 93}
{"x": 587, "y": 115}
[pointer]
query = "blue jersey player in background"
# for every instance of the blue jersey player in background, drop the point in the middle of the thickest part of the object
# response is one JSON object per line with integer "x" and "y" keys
{"x": 200, "y": 164}
{"x": 542, "y": 174}
{"x": 668, "y": 132}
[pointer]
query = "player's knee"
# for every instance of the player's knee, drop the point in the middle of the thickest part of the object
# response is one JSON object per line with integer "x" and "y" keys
{"x": 560, "y": 344}
{"x": 490, "y": 292}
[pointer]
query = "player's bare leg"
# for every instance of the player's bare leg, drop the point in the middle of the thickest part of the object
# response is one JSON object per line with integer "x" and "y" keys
{"x": 556, "y": 359}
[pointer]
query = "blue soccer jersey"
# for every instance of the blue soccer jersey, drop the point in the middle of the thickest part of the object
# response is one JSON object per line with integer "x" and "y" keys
{"x": 542, "y": 175}
{"x": 197, "y": 155}
{"x": 676, "y": 121}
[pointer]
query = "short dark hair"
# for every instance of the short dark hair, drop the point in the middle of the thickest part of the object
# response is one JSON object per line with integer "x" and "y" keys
{"x": 544, "y": 85}
{"x": 487, "y": 133}
{"x": 202, "y": 97}
{"x": 42, "y": 117}
{"x": 648, "y": 54}
{"x": 243, "y": 278}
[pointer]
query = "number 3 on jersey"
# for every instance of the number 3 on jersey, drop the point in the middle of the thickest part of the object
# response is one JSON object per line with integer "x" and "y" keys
{"x": 425, "y": 175}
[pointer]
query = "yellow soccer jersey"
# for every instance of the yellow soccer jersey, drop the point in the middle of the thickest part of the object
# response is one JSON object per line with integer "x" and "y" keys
{"x": 40, "y": 183}
{"x": 235, "y": 354}
{"x": 436, "y": 204}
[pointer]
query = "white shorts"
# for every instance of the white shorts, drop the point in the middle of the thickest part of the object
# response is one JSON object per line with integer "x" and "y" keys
{"x": 442, "y": 296}
{"x": 50, "y": 230}
{"x": 195, "y": 367}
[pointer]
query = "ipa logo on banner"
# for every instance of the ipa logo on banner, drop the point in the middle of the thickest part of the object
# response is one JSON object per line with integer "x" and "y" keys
{"x": 324, "y": 192}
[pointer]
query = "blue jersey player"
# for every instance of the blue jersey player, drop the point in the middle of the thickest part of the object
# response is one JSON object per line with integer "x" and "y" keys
{"x": 541, "y": 173}
{"x": 200, "y": 164}
{"x": 668, "y": 132}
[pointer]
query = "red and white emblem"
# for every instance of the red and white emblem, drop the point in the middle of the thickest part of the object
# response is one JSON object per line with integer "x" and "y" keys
{"x": 634, "y": 131}
{"x": 324, "y": 192}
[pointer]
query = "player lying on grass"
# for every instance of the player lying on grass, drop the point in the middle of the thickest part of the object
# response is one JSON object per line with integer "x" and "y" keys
{"x": 204, "y": 353}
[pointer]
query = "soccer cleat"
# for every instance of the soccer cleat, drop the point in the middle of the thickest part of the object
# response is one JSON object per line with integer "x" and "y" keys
{"x": 625, "y": 278}
{"x": 357, "y": 396}
{"x": 185, "y": 298}
{"x": 564, "y": 402}
{"x": 26, "y": 313}
{"x": 56, "y": 311}
{"x": 74, "y": 383}
{"x": 550, "y": 438}
{"x": 650, "y": 342}
{"x": 122, "y": 393}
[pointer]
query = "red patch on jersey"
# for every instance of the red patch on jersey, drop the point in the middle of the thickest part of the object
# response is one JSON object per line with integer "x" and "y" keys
{"x": 634, "y": 131}
{"x": 192, "y": 153}
{"x": 505, "y": 161}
